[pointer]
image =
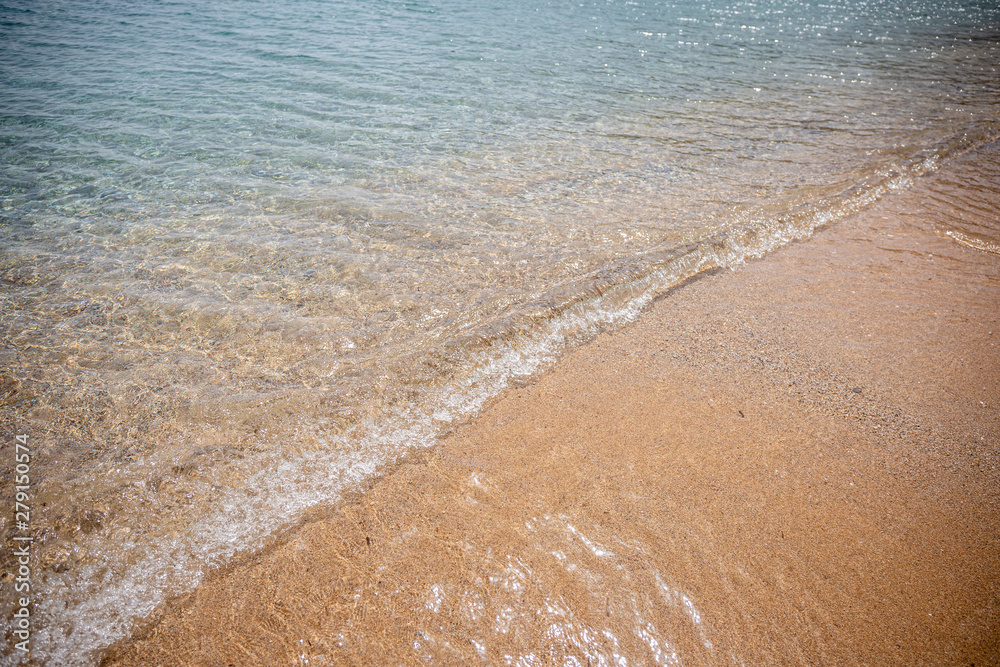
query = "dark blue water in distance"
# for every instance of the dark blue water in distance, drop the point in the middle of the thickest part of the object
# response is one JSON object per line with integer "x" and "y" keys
{"x": 252, "y": 251}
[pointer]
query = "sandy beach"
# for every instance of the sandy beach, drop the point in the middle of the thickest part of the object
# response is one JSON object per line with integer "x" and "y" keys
{"x": 795, "y": 462}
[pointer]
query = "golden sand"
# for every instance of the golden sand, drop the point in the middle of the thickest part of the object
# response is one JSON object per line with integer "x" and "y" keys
{"x": 797, "y": 462}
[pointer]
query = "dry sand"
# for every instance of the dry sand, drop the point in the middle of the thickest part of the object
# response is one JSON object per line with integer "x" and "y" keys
{"x": 796, "y": 462}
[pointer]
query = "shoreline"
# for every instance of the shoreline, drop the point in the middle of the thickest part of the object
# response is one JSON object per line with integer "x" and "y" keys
{"x": 795, "y": 461}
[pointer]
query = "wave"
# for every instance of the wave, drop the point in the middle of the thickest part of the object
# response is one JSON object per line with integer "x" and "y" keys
{"x": 124, "y": 574}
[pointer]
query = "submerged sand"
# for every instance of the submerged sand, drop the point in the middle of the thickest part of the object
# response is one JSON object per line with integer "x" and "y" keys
{"x": 795, "y": 462}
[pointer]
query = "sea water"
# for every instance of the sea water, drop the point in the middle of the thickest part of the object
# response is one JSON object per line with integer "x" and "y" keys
{"x": 253, "y": 251}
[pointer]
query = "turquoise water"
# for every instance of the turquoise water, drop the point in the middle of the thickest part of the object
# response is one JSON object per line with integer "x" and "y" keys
{"x": 253, "y": 251}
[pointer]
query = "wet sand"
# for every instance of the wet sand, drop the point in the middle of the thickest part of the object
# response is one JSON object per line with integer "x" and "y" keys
{"x": 794, "y": 462}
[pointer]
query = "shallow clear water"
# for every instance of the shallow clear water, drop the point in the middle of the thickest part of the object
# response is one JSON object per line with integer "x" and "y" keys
{"x": 253, "y": 251}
